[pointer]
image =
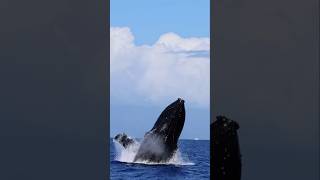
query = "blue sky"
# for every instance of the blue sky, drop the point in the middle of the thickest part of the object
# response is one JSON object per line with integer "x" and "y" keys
{"x": 159, "y": 52}
{"x": 148, "y": 19}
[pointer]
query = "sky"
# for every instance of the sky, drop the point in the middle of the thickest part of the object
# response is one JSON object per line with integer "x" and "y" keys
{"x": 159, "y": 51}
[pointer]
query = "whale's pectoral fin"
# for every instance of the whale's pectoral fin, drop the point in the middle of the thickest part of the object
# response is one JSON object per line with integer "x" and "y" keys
{"x": 124, "y": 139}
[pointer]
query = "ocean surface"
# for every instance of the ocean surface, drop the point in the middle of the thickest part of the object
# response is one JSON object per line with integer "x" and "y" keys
{"x": 192, "y": 162}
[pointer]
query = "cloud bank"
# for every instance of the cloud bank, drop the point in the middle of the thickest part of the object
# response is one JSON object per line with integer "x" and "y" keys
{"x": 170, "y": 68}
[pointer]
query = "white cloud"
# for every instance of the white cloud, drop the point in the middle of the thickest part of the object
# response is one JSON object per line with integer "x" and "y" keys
{"x": 172, "y": 67}
{"x": 174, "y": 43}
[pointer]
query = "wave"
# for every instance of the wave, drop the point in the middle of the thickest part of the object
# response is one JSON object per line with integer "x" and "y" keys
{"x": 127, "y": 155}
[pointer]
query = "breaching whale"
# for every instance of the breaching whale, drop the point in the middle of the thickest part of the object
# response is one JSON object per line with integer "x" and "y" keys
{"x": 160, "y": 143}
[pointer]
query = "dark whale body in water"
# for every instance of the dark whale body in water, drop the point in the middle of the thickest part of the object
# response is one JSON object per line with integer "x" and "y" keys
{"x": 160, "y": 143}
{"x": 225, "y": 149}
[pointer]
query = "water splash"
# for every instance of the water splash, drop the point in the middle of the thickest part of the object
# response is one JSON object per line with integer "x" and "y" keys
{"x": 127, "y": 155}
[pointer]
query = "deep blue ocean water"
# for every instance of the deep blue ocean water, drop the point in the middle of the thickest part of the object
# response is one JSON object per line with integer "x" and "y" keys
{"x": 193, "y": 164}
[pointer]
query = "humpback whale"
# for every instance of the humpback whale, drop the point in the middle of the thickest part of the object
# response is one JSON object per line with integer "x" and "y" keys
{"x": 225, "y": 149}
{"x": 160, "y": 143}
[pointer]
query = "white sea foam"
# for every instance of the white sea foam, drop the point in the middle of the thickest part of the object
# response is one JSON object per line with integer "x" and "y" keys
{"x": 127, "y": 155}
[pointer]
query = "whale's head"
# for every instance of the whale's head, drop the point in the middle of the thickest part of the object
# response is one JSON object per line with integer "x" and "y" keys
{"x": 170, "y": 123}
